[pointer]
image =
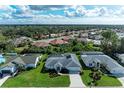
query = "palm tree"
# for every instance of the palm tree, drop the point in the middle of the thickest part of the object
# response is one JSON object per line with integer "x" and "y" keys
{"x": 95, "y": 75}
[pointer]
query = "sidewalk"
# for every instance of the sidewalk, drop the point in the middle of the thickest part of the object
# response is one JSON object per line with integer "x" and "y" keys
{"x": 3, "y": 80}
{"x": 121, "y": 79}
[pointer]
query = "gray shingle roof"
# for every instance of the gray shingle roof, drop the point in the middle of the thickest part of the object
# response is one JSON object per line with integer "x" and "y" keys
{"x": 110, "y": 63}
{"x": 64, "y": 61}
{"x": 27, "y": 59}
{"x": 92, "y": 53}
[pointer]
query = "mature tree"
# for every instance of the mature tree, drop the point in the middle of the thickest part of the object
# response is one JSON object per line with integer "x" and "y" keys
{"x": 109, "y": 43}
{"x": 122, "y": 45}
{"x": 89, "y": 46}
{"x": 96, "y": 76}
{"x": 78, "y": 47}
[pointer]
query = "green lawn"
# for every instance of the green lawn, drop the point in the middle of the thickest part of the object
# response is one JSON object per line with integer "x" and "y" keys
{"x": 103, "y": 82}
{"x": 34, "y": 78}
{"x": 20, "y": 49}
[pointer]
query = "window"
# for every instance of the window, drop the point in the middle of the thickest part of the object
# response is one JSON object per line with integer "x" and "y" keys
{"x": 90, "y": 64}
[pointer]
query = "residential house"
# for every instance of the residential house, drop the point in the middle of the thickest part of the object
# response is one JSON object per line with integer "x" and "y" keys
{"x": 26, "y": 61}
{"x": 40, "y": 36}
{"x": 58, "y": 42}
{"x": 63, "y": 61}
{"x": 83, "y": 35}
{"x": 121, "y": 57}
{"x": 21, "y": 40}
{"x": 120, "y": 35}
{"x": 40, "y": 44}
{"x": 66, "y": 38}
{"x": 92, "y": 59}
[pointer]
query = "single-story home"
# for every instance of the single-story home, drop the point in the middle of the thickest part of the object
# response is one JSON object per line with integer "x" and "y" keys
{"x": 58, "y": 42}
{"x": 21, "y": 40}
{"x": 12, "y": 62}
{"x": 95, "y": 59}
{"x": 40, "y": 44}
{"x": 63, "y": 61}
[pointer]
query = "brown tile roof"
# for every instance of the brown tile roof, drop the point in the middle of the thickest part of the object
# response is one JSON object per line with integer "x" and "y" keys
{"x": 57, "y": 41}
{"x": 40, "y": 44}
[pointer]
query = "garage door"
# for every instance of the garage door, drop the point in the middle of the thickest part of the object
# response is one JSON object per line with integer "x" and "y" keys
{"x": 74, "y": 70}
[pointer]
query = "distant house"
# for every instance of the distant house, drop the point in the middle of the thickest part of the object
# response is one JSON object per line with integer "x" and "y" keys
{"x": 27, "y": 61}
{"x": 66, "y": 38}
{"x": 63, "y": 61}
{"x": 40, "y": 44}
{"x": 21, "y": 40}
{"x": 120, "y": 35}
{"x": 121, "y": 57}
{"x": 2, "y": 59}
{"x": 92, "y": 59}
{"x": 83, "y": 35}
{"x": 58, "y": 42}
{"x": 40, "y": 36}
{"x": 81, "y": 40}
{"x": 96, "y": 42}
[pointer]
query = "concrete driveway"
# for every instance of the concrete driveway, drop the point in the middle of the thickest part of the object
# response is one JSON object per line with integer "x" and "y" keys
{"x": 3, "y": 80}
{"x": 76, "y": 81}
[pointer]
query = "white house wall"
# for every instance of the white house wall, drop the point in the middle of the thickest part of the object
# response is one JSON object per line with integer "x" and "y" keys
{"x": 36, "y": 61}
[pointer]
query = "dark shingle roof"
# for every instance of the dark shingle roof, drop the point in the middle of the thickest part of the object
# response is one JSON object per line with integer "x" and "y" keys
{"x": 66, "y": 61}
{"x": 26, "y": 59}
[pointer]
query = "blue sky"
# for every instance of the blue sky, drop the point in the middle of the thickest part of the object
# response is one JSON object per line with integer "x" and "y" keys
{"x": 61, "y": 14}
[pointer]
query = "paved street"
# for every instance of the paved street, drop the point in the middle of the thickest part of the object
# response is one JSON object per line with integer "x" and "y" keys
{"x": 76, "y": 81}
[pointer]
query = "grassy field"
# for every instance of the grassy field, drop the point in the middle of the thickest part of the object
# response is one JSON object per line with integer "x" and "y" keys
{"x": 103, "y": 82}
{"x": 34, "y": 78}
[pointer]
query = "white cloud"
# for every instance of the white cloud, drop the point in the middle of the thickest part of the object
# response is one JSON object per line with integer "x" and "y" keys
{"x": 80, "y": 10}
{"x": 5, "y": 16}
{"x": 6, "y": 8}
{"x": 69, "y": 14}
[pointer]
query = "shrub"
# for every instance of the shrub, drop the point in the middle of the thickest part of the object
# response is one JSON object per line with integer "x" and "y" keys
{"x": 52, "y": 75}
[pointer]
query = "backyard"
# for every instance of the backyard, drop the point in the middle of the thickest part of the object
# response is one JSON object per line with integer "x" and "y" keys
{"x": 35, "y": 78}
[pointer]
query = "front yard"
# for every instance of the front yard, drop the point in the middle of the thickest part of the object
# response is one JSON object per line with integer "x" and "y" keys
{"x": 35, "y": 78}
{"x": 105, "y": 81}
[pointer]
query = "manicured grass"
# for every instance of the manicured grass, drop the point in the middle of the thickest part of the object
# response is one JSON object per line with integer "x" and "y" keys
{"x": 20, "y": 49}
{"x": 85, "y": 77}
{"x": 109, "y": 81}
{"x": 103, "y": 82}
{"x": 34, "y": 78}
